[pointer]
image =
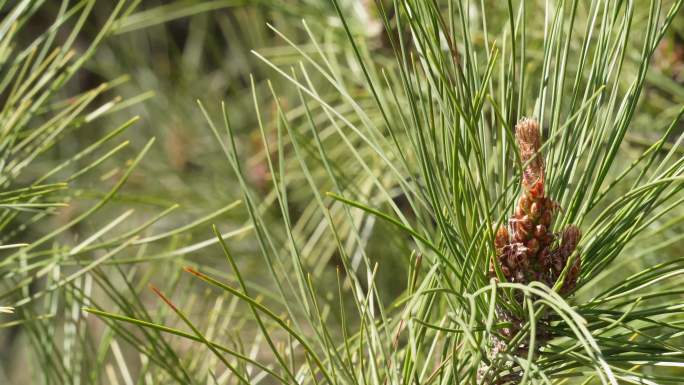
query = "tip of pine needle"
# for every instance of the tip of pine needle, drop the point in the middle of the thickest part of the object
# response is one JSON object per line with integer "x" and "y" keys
{"x": 192, "y": 271}
{"x": 162, "y": 296}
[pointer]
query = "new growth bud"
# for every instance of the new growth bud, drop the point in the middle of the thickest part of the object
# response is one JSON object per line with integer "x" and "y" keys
{"x": 526, "y": 249}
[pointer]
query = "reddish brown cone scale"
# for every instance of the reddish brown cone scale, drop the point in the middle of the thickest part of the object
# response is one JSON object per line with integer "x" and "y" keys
{"x": 525, "y": 249}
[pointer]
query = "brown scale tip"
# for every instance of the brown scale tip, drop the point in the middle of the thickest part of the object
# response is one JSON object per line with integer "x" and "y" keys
{"x": 571, "y": 237}
{"x": 528, "y": 135}
{"x": 501, "y": 238}
{"x": 573, "y": 274}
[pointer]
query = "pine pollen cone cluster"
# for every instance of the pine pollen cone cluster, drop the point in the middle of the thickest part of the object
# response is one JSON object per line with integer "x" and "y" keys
{"x": 526, "y": 249}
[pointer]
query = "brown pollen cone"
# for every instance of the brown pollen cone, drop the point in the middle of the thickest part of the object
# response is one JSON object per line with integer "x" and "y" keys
{"x": 526, "y": 249}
